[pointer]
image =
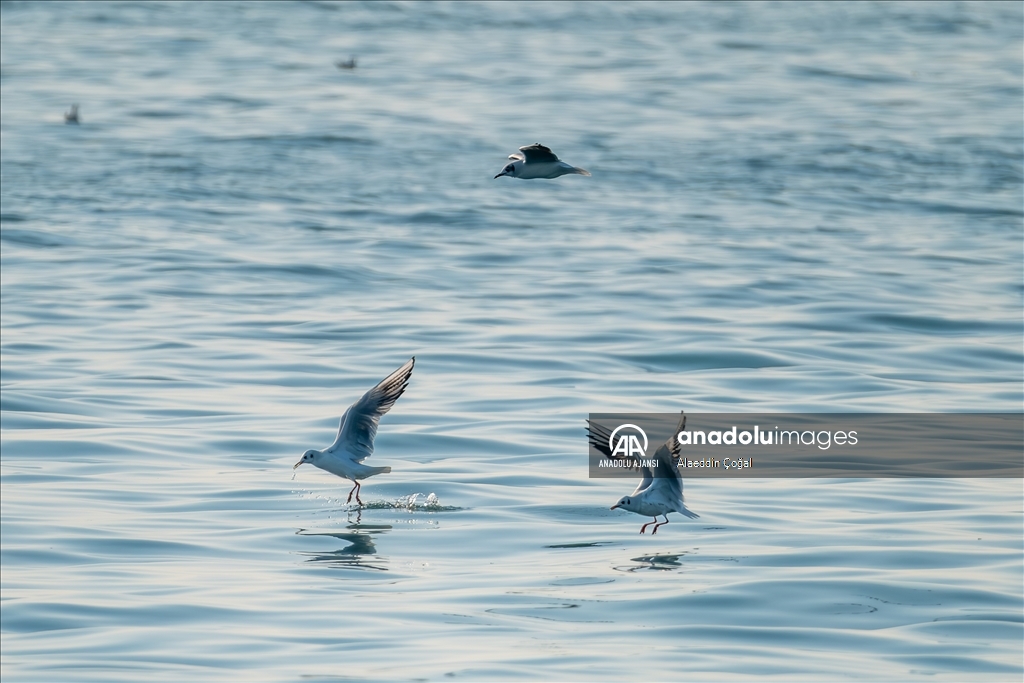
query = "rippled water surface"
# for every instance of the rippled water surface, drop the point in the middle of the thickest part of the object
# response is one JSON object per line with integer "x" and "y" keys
{"x": 793, "y": 207}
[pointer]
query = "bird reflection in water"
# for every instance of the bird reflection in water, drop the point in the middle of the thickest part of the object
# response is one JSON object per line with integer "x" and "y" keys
{"x": 661, "y": 563}
{"x": 360, "y": 553}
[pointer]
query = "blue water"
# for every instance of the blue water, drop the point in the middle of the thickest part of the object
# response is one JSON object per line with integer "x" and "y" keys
{"x": 794, "y": 207}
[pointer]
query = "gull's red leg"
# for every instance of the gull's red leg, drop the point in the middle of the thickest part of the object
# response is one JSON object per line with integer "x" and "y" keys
{"x": 655, "y": 529}
{"x": 356, "y": 489}
{"x": 351, "y": 492}
{"x": 648, "y": 524}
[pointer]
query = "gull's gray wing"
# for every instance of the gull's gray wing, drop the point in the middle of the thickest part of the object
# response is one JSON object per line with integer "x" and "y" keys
{"x": 673, "y": 443}
{"x": 667, "y": 456}
{"x": 538, "y": 153}
{"x": 359, "y": 423}
{"x": 645, "y": 483}
{"x": 515, "y": 157}
{"x": 599, "y": 435}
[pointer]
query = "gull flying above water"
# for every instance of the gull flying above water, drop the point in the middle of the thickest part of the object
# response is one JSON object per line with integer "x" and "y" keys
{"x": 354, "y": 442}
{"x": 654, "y": 495}
{"x": 537, "y": 161}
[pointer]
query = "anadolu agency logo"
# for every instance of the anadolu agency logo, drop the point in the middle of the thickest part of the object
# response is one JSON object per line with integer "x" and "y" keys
{"x": 628, "y": 445}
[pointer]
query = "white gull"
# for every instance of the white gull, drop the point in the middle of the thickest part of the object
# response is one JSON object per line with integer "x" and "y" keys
{"x": 537, "y": 161}
{"x": 354, "y": 442}
{"x": 654, "y": 495}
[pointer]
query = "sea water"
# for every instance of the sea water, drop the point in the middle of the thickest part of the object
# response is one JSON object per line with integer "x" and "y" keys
{"x": 794, "y": 207}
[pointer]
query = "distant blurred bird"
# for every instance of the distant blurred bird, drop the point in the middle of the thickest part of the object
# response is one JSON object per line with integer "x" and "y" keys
{"x": 350, "y": 64}
{"x": 537, "y": 161}
{"x": 354, "y": 442}
{"x": 72, "y": 116}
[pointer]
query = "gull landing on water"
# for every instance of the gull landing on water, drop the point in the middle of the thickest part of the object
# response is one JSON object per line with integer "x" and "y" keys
{"x": 654, "y": 495}
{"x": 537, "y": 161}
{"x": 354, "y": 442}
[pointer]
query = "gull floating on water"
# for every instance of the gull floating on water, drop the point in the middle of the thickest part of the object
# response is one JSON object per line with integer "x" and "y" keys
{"x": 350, "y": 64}
{"x": 354, "y": 442}
{"x": 71, "y": 116}
{"x": 654, "y": 495}
{"x": 537, "y": 161}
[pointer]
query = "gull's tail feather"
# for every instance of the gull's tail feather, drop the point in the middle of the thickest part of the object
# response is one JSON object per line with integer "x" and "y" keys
{"x": 688, "y": 512}
{"x": 580, "y": 171}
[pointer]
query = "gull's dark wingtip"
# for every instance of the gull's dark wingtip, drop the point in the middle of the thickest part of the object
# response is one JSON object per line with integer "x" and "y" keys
{"x": 538, "y": 153}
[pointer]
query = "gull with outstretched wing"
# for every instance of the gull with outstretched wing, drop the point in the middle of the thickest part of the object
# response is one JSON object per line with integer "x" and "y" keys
{"x": 354, "y": 442}
{"x": 538, "y": 161}
{"x": 654, "y": 495}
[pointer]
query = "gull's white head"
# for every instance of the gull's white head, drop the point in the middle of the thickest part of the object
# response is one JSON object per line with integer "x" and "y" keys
{"x": 626, "y": 503}
{"x": 309, "y": 456}
{"x": 511, "y": 169}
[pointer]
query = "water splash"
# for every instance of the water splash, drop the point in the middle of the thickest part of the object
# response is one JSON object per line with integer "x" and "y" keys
{"x": 414, "y": 502}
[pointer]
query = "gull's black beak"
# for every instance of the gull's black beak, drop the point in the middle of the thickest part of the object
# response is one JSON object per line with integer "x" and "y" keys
{"x": 611, "y": 508}
{"x": 500, "y": 174}
{"x": 296, "y": 465}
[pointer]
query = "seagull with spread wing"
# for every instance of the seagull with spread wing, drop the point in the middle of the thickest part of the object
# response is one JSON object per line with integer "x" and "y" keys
{"x": 354, "y": 442}
{"x": 537, "y": 161}
{"x": 655, "y": 495}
